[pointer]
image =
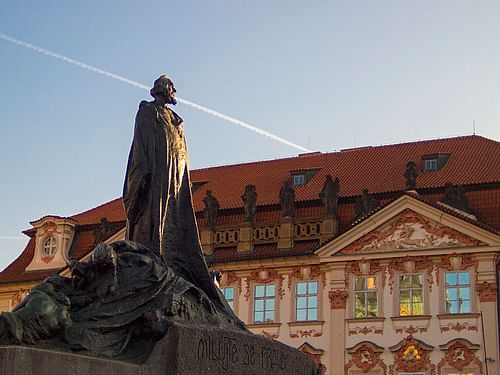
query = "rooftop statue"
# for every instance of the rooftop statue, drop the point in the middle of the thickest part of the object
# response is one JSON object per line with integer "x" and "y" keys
{"x": 411, "y": 175}
{"x": 330, "y": 194}
{"x": 211, "y": 209}
{"x": 365, "y": 205}
{"x": 287, "y": 199}
{"x": 249, "y": 199}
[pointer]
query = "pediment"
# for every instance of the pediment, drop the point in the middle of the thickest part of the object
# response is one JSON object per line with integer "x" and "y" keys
{"x": 410, "y": 230}
{"x": 409, "y": 224}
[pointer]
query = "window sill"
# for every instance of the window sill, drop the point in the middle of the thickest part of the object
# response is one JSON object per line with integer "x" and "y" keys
{"x": 265, "y": 324}
{"x": 458, "y": 316}
{"x": 362, "y": 320}
{"x": 410, "y": 317}
{"x": 306, "y": 323}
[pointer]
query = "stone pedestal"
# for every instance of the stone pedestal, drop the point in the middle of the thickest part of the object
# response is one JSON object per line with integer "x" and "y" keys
{"x": 329, "y": 228}
{"x": 184, "y": 351}
{"x": 206, "y": 240}
{"x": 285, "y": 240}
{"x": 245, "y": 240}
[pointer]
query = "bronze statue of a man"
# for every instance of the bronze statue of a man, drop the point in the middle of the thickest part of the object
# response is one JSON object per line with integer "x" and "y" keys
{"x": 157, "y": 191}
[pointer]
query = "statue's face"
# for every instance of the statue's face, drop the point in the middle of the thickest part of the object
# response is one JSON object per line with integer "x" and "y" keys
{"x": 170, "y": 92}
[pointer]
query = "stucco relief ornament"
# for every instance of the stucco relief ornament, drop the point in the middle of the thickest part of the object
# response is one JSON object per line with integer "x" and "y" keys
{"x": 411, "y": 356}
{"x": 265, "y": 276}
{"x": 410, "y": 265}
{"x": 456, "y": 262}
{"x": 365, "y": 356}
{"x": 229, "y": 278}
{"x": 338, "y": 299}
{"x": 487, "y": 292}
{"x": 50, "y": 227}
{"x": 408, "y": 231}
{"x": 306, "y": 273}
{"x": 459, "y": 354}
{"x": 364, "y": 267}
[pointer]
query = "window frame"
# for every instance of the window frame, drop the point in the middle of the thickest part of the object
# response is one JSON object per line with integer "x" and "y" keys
{"x": 431, "y": 165}
{"x": 301, "y": 176}
{"x": 52, "y": 246}
{"x": 457, "y": 286}
{"x": 255, "y": 299}
{"x": 307, "y": 295}
{"x": 231, "y": 302}
{"x": 377, "y": 291}
{"x": 423, "y": 289}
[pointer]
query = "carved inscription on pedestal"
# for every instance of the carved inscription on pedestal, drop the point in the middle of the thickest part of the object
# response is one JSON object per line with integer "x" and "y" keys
{"x": 230, "y": 354}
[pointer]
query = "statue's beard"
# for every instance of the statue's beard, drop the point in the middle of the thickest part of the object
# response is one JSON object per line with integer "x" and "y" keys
{"x": 171, "y": 100}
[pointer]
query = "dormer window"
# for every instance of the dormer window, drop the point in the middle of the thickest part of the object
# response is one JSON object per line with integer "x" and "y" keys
{"x": 49, "y": 247}
{"x": 434, "y": 162}
{"x": 299, "y": 179}
{"x": 53, "y": 236}
{"x": 430, "y": 165}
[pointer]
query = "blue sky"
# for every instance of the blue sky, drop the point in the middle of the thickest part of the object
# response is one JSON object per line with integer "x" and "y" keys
{"x": 324, "y": 74}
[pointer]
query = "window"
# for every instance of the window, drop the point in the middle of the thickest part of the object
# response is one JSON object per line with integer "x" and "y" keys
{"x": 457, "y": 292}
{"x": 411, "y": 295}
{"x": 430, "y": 165}
{"x": 49, "y": 247}
{"x": 365, "y": 297}
{"x": 298, "y": 179}
{"x": 263, "y": 311}
{"x": 306, "y": 301}
{"x": 229, "y": 296}
{"x": 460, "y": 373}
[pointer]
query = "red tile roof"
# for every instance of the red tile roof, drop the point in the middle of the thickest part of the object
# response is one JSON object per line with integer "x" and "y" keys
{"x": 474, "y": 160}
{"x": 15, "y": 271}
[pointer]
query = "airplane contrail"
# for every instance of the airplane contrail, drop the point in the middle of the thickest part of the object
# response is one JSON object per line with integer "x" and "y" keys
{"x": 145, "y": 87}
{"x": 12, "y": 238}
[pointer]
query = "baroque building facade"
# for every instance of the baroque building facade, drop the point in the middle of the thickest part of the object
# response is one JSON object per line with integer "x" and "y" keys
{"x": 376, "y": 260}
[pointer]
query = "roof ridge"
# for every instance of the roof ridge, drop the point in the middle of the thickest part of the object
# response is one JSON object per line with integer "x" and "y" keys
{"x": 344, "y": 150}
{"x": 94, "y": 208}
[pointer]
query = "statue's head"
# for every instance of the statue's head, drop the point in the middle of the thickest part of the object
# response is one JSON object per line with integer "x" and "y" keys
{"x": 164, "y": 86}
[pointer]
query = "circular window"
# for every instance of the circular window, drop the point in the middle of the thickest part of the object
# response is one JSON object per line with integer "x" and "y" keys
{"x": 49, "y": 247}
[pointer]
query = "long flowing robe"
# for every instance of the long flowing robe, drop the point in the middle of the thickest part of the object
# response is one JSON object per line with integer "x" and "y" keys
{"x": 157, "y": 197}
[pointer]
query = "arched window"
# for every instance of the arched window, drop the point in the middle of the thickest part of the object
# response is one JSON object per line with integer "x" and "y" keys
{"x": 49, "y": 247}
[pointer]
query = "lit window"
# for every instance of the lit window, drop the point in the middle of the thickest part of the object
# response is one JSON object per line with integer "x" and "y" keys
{"x": 430, "y": 165}
{"x": 49, "y": 247}
{"x": 365, "y": 297}
{"x": 263, "y": 311}
{"x": 457, "y": 292}
{"x": 229, "y": 295}
{"x": 307, "y": 301}
{"x": 298, "y": 179}
{"x": 411, "y": 295}
{"x": 460, "y": 373}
